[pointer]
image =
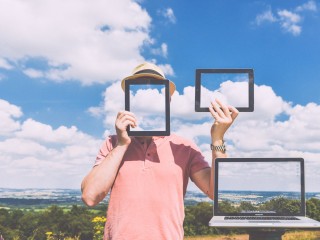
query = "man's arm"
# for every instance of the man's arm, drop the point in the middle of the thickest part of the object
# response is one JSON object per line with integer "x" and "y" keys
{"x": 96, "y": 185}
{"x": 224, "y": 117}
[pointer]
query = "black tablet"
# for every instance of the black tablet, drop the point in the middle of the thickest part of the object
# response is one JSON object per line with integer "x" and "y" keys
{"x": 149, "y": 100}
{"x": 231, "y": 86}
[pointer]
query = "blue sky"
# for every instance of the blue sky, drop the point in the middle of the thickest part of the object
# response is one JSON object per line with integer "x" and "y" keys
{"x": 59, "y": 77}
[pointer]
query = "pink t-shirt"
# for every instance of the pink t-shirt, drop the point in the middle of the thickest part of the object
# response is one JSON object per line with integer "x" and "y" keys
{"x": 146, "y": 200}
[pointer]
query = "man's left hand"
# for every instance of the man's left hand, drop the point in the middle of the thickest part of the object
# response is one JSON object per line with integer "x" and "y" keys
{"x": 224, "y": 116}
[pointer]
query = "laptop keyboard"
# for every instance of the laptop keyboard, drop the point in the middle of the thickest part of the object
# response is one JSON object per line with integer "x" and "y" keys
{"x": 267, "y": 218}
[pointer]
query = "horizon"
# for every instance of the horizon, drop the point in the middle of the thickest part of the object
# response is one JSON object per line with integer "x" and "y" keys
{"x": 188, "y": 190}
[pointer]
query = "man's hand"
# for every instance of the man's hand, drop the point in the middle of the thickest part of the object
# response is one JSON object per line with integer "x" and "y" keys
{"x": 223, "y": 119}
{"x": 124, "y": 119}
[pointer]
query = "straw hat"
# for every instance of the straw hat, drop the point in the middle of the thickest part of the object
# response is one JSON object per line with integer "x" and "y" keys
{"x": 148, "y": 70}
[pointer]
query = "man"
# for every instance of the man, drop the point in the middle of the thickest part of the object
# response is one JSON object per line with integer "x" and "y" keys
{"x": 148, "y": 176}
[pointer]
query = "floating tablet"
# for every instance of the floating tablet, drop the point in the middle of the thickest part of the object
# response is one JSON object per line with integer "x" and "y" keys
{"x": 149, "y": 100}
{"x": 231, "y": 86}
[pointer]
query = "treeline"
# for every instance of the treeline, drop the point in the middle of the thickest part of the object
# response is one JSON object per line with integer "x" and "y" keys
{"x": 280, "y": 205}
{"x": 82, "y": 223}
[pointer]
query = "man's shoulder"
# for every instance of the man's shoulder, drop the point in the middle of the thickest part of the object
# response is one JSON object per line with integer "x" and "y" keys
{"x": 179, "y": 139}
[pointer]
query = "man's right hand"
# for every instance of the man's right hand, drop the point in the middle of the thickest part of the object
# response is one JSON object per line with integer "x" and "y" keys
{"x": 124, "y": 119}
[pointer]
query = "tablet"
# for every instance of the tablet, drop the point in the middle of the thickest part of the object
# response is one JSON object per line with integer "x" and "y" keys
{"x": 149, "y": 100}
{"x": 231, "y": 86}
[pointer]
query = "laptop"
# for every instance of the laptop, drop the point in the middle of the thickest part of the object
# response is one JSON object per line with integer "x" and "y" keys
{"x": 260, "y": 192}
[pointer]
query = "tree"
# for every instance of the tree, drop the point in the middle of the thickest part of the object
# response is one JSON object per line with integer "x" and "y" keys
{"x": 283, "y": 206}
{"x": 4, "y": 216}
{"x": 226, "y": 207}
{"x": 246, "y": 206}
{"x": 313, "y": 208}
{"x": 197, "y": 219}
{"x": 78, "y": 224}
{"x": 28, "y": 223}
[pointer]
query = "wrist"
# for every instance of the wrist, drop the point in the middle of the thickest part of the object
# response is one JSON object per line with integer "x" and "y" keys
{"x": 218, "y": 146}
{"x": 123, "y": 144}
{"x": 217, "y": 141}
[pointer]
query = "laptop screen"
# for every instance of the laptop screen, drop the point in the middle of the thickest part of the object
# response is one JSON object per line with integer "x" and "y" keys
{"x": 259, "y": 187}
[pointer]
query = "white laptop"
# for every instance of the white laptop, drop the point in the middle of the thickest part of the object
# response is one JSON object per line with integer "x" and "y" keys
{"x": 260, "y": 192}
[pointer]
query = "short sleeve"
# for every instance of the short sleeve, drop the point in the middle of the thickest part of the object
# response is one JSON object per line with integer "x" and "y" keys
{"x": 197, "y": 160}
{"x": 105, "y": 149}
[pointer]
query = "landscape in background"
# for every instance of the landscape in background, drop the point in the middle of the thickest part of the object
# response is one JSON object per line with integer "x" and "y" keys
{"x": 54, "y": 214}
{"x": 42, "y": 198}
{"x": 261, "y": 202}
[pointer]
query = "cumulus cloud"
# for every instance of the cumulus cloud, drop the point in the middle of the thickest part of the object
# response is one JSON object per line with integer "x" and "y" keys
{"x": 45, "y": 152}
{"x": 92, "y": 42}
{"x": 262, "y": 133}
{"x": 33, "y": 154}
{"x": 8, "y": 115}
{"x": 289, "y": 20}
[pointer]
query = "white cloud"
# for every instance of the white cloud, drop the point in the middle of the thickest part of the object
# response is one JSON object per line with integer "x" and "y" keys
{"x": 33, "y": 73}
{"x": 289, "y": 21}
{"x": 31, "y": 150}
{"x": 4, "y": 64}
{"x": 22, "y": 146}
{"x": 309, "y": 6}
{"x": 31, "y": 129}
{"x": 93, "y": 42}
{"x": 169, "y": 14}
{"x": 167, "y": 69}
{"x": 255, "y": 134}
{"x": 267, "y": 104}
{"x": 8, "y": 114}
{"x": 266, "y": 16}
{"x": 162, "y": 51}
{"x": 33, "y": 154}
{"x": 182, "y": 105}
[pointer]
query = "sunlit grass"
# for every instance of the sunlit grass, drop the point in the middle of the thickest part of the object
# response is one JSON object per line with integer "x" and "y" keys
{"x": 296, "y": 235}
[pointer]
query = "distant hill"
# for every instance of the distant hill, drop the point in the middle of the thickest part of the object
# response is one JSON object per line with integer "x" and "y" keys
{"x": 33, "y": 197}
{"x": 27, "y": 198}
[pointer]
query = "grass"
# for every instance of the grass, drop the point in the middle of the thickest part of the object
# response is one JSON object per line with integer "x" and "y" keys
{"x": 219, "y": 237}
{"x": 295, "y": 235}
{"x": 302, "y": 235}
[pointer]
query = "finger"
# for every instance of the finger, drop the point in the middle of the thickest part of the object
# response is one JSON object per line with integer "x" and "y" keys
{"x": 119, "y": 113}
{"x": 128, "y": 122}
{"x": 224, "y": 108}
{"x": 217, "y": 109}
{"x": 122, "y": 113}
{"x": 234, "y": 112}
{"x": 124, "y": 126}
{"x": 125, "y": 118}
{"x": 214, "y": 114}
{"x": 126, "y": 114}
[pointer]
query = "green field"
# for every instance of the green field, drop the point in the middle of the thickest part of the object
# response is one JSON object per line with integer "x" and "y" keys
{"x": 82, "y": 223}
